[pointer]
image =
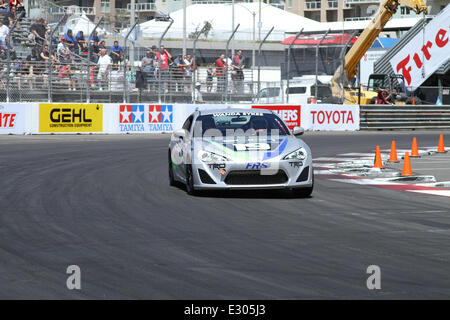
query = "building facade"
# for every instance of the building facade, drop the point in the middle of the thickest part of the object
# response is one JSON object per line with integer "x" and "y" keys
{"x": 319, "y": 10}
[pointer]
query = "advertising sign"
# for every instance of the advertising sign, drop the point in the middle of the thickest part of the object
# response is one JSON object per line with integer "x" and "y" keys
{"x": 426, "y": 52}
{"x": 70, "y": 117}
{"x": 291, "y": 115}
{"x": 12, "y": 118}
{"x": 142, "y": 118}
{"x": 331, "y": 117}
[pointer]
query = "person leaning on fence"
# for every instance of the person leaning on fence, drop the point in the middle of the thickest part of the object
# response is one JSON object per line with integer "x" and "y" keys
{"x": 178, "y": 72}
{"x": 209, "y": 78}
{"x": 220, "y": 73}
{"x": 104, "y": 62}
{"x": 148, "y": 69}
{"x": 237, "y": 73}
{"x": 382, "y": 97}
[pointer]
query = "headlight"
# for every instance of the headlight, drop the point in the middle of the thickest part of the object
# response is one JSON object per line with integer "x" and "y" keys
{"x": 299, "y": 154}
{"x": 207, "y": 156}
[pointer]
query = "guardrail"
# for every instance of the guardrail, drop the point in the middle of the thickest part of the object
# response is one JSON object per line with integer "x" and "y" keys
{"x": 389, "y": 117}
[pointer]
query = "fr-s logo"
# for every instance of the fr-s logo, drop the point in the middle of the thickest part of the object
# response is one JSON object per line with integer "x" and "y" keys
{"x": 251, "y": 146}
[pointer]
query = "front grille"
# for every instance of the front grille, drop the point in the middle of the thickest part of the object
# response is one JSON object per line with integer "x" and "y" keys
{"x": 204, "y": 176}
{"x": 304, "y": 175}
{"x": 242, "y": 177}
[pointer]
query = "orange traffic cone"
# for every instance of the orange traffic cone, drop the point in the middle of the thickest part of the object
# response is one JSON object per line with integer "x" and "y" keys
{"x": 407, "y": 166}
{"x": 378, "y": 163}
{"x": 414, "y": 148}
{"x": 441, "y": 147}
{"x": 393, "y": 155}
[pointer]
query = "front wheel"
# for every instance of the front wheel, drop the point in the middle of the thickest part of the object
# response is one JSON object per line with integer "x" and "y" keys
{"x": 190, "y": 189}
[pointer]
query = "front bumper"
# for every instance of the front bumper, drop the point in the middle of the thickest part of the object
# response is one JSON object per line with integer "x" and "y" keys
{"x": 275, "y": 174}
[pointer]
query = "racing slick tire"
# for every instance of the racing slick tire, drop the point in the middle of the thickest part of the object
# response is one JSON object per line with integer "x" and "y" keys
{"x": 172, "y": 181}
{"x": 190, "y": 189}
{"x": 303, "y": 192}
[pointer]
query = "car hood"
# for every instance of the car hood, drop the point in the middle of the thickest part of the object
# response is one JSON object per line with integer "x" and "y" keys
{"x": 250, "y": 148}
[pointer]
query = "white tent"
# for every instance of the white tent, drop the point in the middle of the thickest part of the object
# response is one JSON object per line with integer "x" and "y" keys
{"x": 82, "y": 23}
{"x": 392, "y": 25}
{"x": 220, "y": 18}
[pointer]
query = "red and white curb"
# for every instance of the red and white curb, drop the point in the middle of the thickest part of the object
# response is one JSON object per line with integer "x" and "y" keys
{"x": 356, "y": 168}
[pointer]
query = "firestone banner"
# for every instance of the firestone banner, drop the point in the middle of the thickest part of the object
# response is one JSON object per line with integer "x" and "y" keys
{"x": 426, "y": 52}
{"x": 12, "y": 118}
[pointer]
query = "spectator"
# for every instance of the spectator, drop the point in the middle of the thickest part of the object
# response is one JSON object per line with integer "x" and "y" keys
{"x": 4, "y": 6}
{"x": 17, "y": 4}
{"x": 116, "y": 53}
{"x": 12, "y": 17}
{"x": 81, "y": 41}
{"x": 148, "y": 69}
{"x": 95, "y": 52}
{"x": 237, "y": 74}
{"x": 102, "y": 45}
{"x": 44, "y": 56}
{"x": 162, "y": 58}
{"x": 178, "y": 72}
{"x": 104, "y": 61}
{"x": 209, "y": 78}
{"x": 4, "y": 31}
{"x": 38, "y": 31}
{"x": 116, "y": 78}
{"x": 71, "y": 41}
{"x": 381, "y": 97}
{"x": 62, "y": 48}
{"x": 220, "y": 73}
{"x": 33, "y": 69}
{"x": 197, "y": 95}
{"x": 188, "y": 61}
{"x": 95, "y": 38}
{"x": 65, "y": 75}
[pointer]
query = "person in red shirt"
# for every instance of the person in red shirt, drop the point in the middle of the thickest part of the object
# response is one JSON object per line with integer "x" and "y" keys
{"x": 163, "y": 59}
{"x": 220, "y": 72}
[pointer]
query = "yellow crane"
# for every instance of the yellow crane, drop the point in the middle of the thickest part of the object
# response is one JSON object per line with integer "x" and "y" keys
{"x": 347, "y": 71}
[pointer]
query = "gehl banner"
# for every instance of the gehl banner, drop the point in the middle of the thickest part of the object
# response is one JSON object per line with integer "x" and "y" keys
{"x": 77, "y": 117}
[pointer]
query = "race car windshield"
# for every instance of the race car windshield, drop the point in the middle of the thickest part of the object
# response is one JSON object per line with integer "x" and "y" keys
{"x": 241, "y": 123}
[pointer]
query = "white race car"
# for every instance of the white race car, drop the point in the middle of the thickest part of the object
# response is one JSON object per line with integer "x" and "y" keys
{"x": 239, "y": 149}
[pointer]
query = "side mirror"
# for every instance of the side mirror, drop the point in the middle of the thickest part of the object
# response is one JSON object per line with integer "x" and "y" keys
{"x": 298, "y": 131}
{"x": 180, "y": 133}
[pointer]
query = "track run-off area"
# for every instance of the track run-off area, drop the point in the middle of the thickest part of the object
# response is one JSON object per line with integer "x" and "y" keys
{"x": 103, "y": 203}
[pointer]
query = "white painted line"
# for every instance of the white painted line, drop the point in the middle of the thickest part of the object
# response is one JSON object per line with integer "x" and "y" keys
{"x": 320, "y": 172}
{"x": 442, "y": 193}
{"x": 365, "y": 181}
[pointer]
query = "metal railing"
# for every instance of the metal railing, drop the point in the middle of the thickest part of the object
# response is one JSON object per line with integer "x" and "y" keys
{"x": 34, "y": 81}
{"x": 362, "y": 1}
{"x": 387, "y": 117}
{"x": 312, "y": 5}
{"x": 333, "y": 4}
{"x": 142, "y": 7}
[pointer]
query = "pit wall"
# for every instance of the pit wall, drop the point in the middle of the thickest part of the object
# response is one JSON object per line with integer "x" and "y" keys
{"x": 67, "y": 118}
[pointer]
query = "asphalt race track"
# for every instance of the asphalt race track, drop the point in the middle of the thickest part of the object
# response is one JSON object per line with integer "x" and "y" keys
{"x": 104, "y": 203}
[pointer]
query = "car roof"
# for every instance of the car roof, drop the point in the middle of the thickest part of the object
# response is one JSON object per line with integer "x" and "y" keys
{"x": 224, "y": 110}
